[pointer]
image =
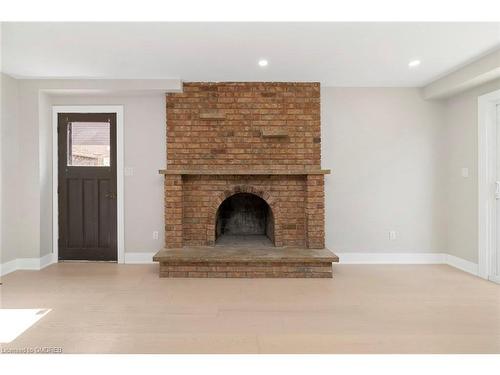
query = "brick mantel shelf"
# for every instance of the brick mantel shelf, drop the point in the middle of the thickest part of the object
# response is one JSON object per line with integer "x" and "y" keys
{"x": 226, "y": 172}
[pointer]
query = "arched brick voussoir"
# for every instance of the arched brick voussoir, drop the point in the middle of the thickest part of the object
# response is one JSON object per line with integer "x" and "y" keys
{"x": 273, "y": 205}
{"x": 266, "y": 196}
{"x": 225, "y": 194}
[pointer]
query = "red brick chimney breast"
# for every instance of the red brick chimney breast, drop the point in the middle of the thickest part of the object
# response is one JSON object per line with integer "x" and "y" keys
{"x": 259, "y": 138}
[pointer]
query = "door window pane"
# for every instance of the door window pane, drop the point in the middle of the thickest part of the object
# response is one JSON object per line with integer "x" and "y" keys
{"x": 89, "y": 144}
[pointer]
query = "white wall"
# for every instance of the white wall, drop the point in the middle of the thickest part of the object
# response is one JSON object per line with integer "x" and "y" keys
{"x": 396, "y": 162}
{"x": 462, "y": 193}
{"x": 27, "y": 161}
{"x": 9, "y": 156}
{"x": 385, "y": 147}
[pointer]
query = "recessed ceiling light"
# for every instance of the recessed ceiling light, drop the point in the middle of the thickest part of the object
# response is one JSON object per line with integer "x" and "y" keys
{"x": 414, "y": 63}
{"x": 263, "y": 62}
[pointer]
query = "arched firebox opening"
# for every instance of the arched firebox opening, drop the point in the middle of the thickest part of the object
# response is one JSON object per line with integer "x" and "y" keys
{"x": 242, "y": 219}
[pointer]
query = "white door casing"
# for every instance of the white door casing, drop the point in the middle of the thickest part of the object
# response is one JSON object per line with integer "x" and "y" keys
{"x": 487, "y": 182}
{"x": 494, "y": 269}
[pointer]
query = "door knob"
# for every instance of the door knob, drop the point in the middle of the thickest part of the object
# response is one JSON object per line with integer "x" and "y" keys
{"x": 110, "y": 195}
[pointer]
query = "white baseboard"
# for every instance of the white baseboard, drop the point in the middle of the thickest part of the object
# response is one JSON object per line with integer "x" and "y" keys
{"x": 139, "y": 258}
{"x": 391, "y": 258}
{"x": 28, "y": 263}
{"x": 461, "y": 264}
{"x": 36, "y": 264}
{"x": 33, "y": 264}
{"x": 47, "y": 260}
{"x": 495, "y": 279}
{"x": 409, "y": 258}
{"x": 8, "y": 267}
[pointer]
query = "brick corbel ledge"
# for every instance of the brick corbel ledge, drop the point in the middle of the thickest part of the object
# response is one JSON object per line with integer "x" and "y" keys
{"x": 221, "y": 197}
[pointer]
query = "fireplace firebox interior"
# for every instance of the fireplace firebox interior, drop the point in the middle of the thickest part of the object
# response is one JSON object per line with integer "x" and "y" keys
{"x": 242, "y": 217}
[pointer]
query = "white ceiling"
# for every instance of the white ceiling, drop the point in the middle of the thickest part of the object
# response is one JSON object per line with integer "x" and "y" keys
{"x": 336, "y": 54}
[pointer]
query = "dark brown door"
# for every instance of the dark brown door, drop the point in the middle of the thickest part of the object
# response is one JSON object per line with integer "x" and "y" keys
{"x": 87, "y": 186}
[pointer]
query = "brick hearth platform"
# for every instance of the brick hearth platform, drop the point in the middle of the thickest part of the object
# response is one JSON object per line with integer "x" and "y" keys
{"x": 238, "y": 262}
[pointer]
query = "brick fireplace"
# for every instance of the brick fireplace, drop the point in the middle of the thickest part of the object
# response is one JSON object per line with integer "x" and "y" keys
{"x": 244, "y": 175}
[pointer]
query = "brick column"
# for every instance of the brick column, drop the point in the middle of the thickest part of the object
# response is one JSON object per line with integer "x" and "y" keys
{"x": 315, "y": 212}
{"x": 173, "y": 211}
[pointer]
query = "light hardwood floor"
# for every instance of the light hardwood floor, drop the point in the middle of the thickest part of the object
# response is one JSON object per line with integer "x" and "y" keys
{"x": 109, "y": 308}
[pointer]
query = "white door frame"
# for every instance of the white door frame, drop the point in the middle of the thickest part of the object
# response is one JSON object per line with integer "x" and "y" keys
{"x": 487, "y": 151}
{"x": 118, "y": 109}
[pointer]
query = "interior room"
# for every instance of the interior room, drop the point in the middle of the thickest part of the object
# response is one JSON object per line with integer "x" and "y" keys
{"x": 250, "y": 187}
